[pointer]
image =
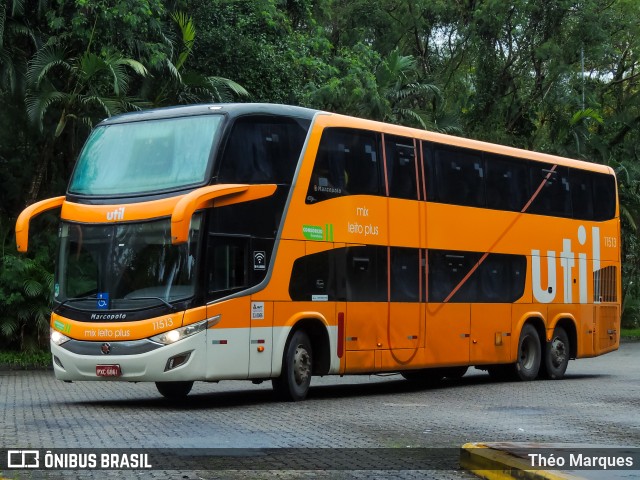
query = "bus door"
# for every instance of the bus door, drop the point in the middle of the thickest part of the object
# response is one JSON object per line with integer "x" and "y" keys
{"x": 365, "y": 288}
{"x": 228, "y": 343}
{"x": 262, "y": 312}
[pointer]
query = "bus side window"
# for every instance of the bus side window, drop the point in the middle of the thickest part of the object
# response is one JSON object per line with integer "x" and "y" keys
{"x": 347, "y": 163}
{"x": 518, "y": 275}
{"x": 404, "y": 278}
{"x": 447, "y": 269}
{"x": 366, "y": 269}
{"x": 262, "y": 149}
{"x": 501, "y": 278}
{"x": 507, "y": 183}
{"x": 314, "y": 275}
{"x": 227, "y": 265}
{"x": 604, "y": 196}
{"x": 555, "y": 197}
{"x": 493, "y": 282}
{"x": 401, "y": 167}
{"x": 460, "y": 176}
{"x": 245, "y": 157}
{"x": 429, "y": 172}
{"x": 581, "y": 194}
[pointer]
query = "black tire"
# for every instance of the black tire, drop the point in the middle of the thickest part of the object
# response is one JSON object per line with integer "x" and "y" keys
{"x": 556, "y": 355}
{"x": 174, "y": 390}
{"x": 527, "y": 364}
{"x": 295, "y": 378}
{"x": 424, "y": 376}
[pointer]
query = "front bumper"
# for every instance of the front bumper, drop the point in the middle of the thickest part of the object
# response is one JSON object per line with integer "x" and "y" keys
{"x": 139, "y": 361}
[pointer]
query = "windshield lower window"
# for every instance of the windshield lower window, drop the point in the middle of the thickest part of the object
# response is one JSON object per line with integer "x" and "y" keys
{"x": 140, "y": 157}
{"x": 124, "y": 266}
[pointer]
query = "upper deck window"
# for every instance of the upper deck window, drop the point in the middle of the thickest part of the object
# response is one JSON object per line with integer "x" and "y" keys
{"x": 401, "y": 167}
{"x": 263, "y": 149}
{"x": 146, "y": 156}
{"x": 460, "y": 176}
{"x": 346, "y": 164}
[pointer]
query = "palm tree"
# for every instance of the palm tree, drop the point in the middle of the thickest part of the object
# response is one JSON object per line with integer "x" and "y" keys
{"x": 172, "y": 83}
{"x": 15, "y": 39}
{"x": 26, "y": 294}
{"x": 79, "y": 90}
{"x": 387, "y": 89}
{"x": 403, "y": 98}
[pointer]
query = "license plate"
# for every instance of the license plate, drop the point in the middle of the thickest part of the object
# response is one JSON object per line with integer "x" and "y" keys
{"x": 108, "y": 370}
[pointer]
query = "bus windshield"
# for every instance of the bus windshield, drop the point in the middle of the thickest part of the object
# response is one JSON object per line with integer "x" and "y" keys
{"x": 145, "y": 156}
{"x": 124, "y": 266}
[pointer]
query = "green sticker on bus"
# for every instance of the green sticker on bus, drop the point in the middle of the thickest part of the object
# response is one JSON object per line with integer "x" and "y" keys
{"x": 312, "y": 232}
{"x": 63, "y": 327}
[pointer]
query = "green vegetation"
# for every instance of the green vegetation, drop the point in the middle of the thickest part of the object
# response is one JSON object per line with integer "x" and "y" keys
{"x": 25, "y": 360}
{"x": 630, "y": 333}
{"x": 560, "y": 76}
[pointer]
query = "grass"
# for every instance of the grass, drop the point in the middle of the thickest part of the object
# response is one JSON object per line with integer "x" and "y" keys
{"x": 630, "y": 333}
{"x": 10, "y": 360}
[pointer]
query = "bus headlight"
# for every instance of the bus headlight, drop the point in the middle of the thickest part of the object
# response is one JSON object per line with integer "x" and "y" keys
{"x": 172, "y": 336}
{"x": 58, "y": 338}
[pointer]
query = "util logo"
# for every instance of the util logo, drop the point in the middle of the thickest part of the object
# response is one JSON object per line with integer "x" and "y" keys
{"x": 117, "y": 214}
{"x": 567, "y": 262}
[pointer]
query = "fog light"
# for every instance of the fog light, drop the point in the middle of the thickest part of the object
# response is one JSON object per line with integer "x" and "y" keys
{"x": 58, "y": 362}
{"x": 177, "y": 360}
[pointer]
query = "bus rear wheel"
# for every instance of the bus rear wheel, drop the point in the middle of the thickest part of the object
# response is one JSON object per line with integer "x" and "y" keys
{"x": 527, "y": 365}
{"x": 295, "y": 378}
{"x": 556, "y": 355}
{"x": 174, "y": 390}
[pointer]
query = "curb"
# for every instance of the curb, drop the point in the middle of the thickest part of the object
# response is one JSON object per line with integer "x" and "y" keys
{"x": 493, "y": 463}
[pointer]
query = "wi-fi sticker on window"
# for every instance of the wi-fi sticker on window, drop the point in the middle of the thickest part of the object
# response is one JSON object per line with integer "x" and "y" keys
{"x": 259, "y": 260}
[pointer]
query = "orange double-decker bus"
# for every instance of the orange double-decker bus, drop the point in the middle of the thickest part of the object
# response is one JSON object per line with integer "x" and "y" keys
{"x": 251, "y": 241}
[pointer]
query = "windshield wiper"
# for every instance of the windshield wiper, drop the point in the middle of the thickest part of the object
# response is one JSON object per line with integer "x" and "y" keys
{"x": 93, "y": 296}
{"x": 153, "y": 298}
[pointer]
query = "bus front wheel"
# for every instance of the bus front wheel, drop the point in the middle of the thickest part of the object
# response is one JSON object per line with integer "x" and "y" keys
{"x": 527, "y": 365}
{"x": 174, "y": 390}
{"x": 295, "y": 378}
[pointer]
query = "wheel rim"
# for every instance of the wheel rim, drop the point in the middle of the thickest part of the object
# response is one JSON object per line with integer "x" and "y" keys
{"x": 301, "y": 365}
{"x": 557, "y": 353}
{"x": 528, "y": 353}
